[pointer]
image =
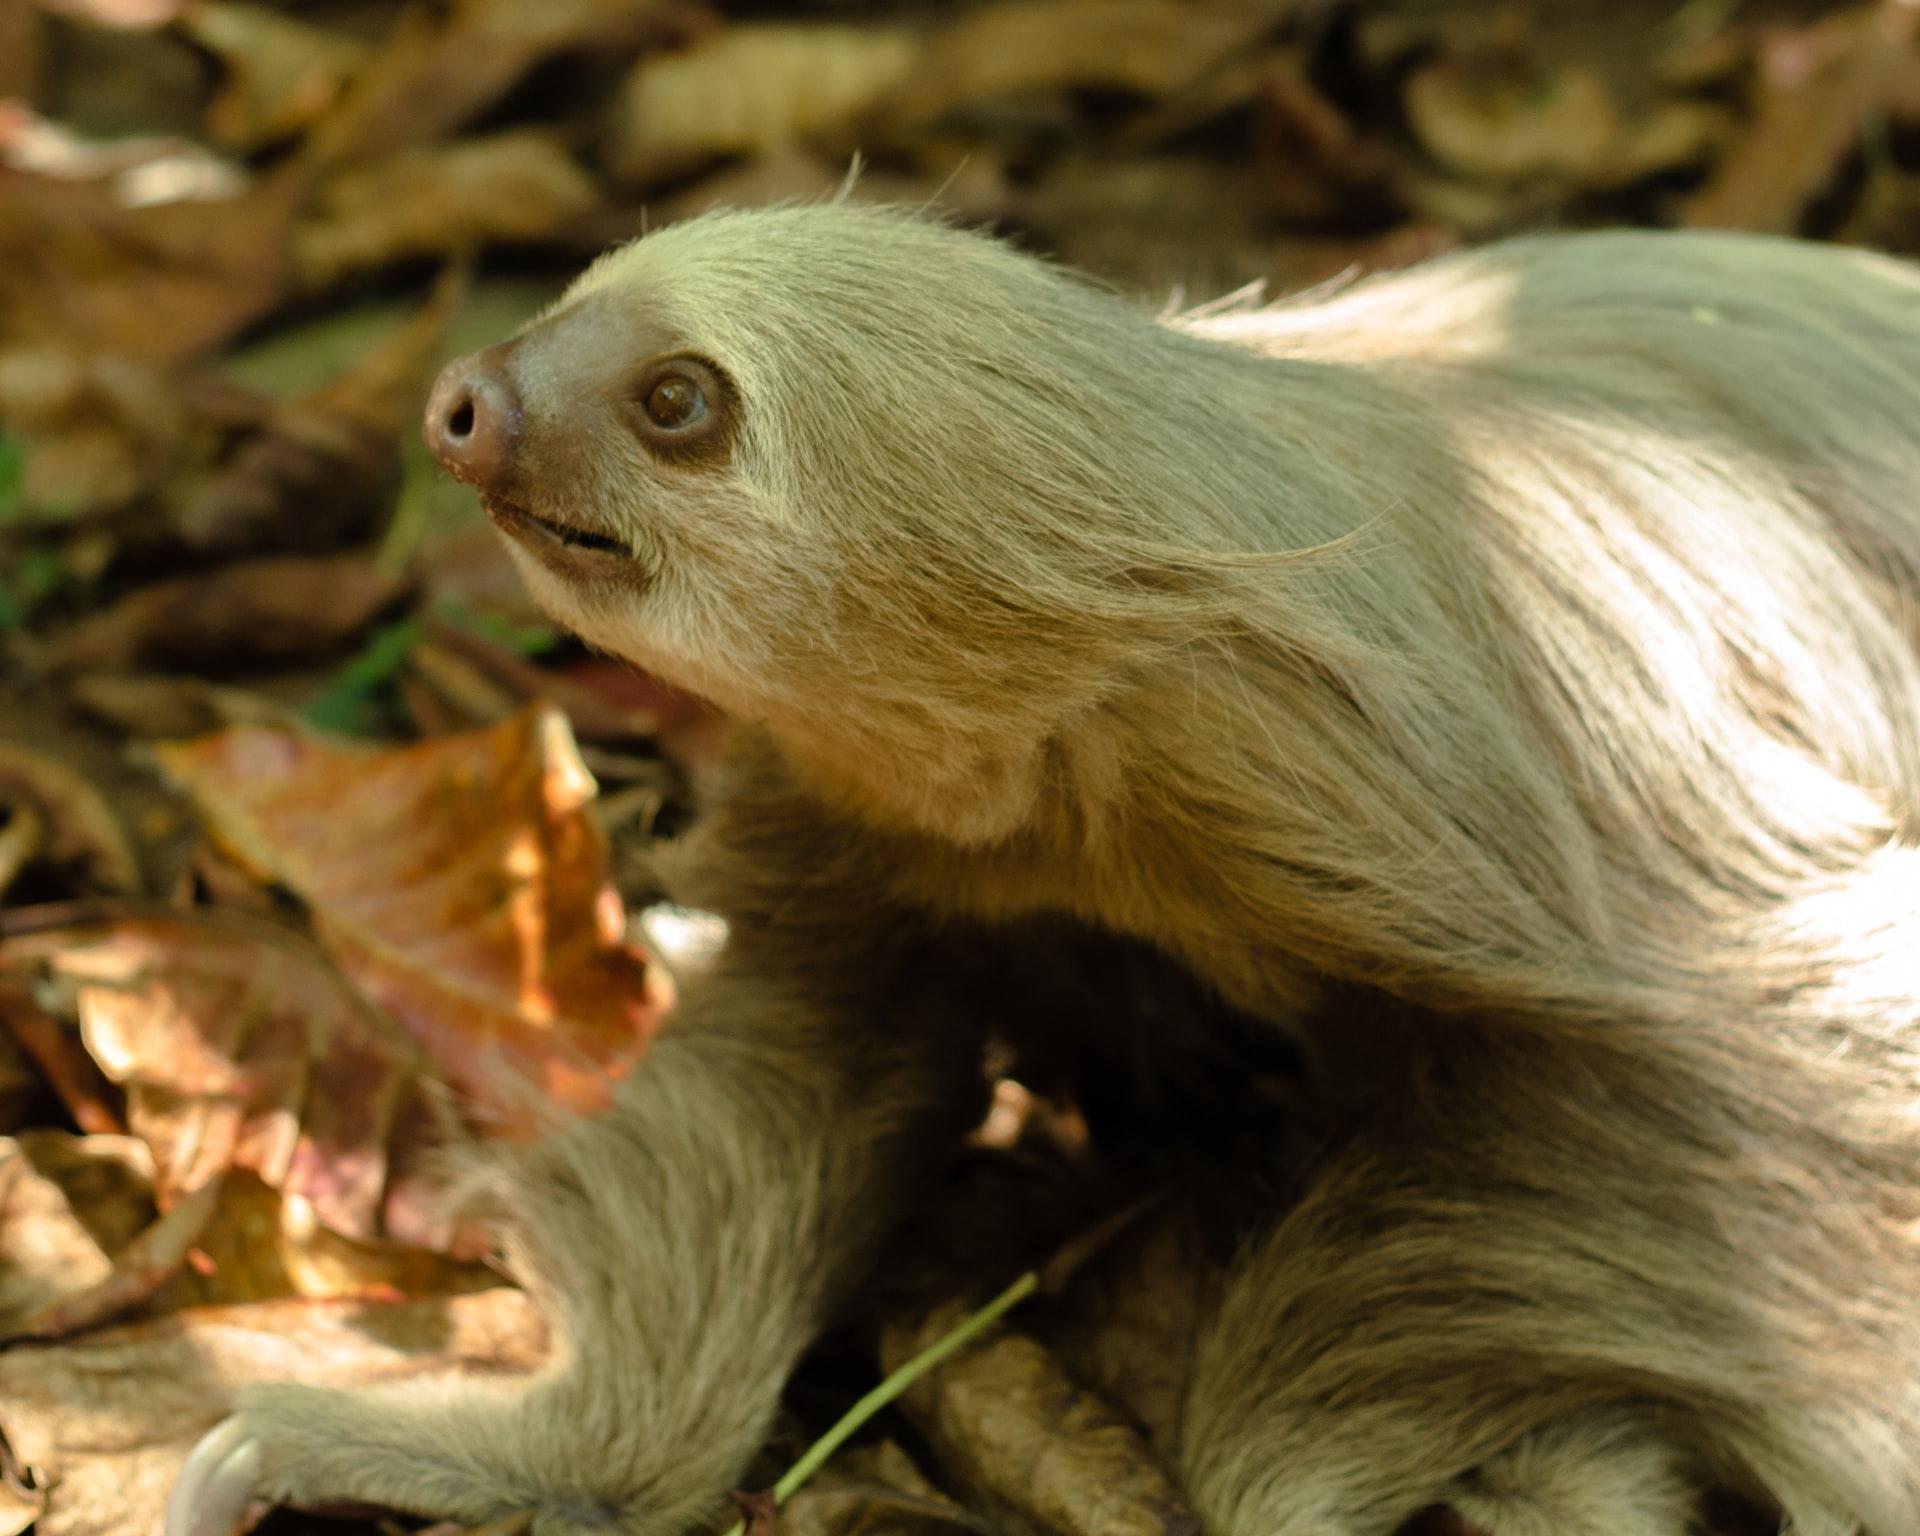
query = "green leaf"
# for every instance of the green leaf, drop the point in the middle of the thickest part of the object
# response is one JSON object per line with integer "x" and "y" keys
{"x": 353, "y": 703}
{"x": 13, "y": 477}
{"x": 32, "y": 578}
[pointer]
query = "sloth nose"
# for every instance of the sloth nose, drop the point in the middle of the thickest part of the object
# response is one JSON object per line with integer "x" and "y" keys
{"x": 473, "y": 421}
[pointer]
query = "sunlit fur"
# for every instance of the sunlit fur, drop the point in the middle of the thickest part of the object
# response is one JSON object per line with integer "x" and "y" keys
{"x": 1525, "y": 644}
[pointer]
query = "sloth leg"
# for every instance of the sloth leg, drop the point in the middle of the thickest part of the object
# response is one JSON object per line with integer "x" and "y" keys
{"x": 1359, "y": 1438}
{"x": 686, "y": 1247}
{"x": 1545, "y": 1290}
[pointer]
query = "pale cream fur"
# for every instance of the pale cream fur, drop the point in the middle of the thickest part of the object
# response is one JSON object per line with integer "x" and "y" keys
{"x": 1526, "y": 643}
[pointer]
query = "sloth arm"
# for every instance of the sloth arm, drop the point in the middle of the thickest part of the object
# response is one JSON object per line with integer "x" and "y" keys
{"x": 685, "y": 1246}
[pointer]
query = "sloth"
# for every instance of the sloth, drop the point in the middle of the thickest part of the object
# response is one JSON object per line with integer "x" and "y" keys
{"x": 1502, "y": 678}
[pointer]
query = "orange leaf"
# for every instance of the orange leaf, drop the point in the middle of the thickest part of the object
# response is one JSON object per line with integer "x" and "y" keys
{"x": 460, "y": 885}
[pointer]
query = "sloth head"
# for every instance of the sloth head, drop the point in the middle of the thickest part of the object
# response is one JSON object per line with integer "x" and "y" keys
{"x": 849, "y": 453}
{"x": 893, "y": 489}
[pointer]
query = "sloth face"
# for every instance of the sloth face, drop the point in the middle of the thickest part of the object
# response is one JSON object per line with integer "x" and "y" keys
{"x": 602, "y": 440}
{"x": 831, "y": 459}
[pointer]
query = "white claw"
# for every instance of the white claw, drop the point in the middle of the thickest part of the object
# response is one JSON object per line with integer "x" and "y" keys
{"x": 216, "y": 1483}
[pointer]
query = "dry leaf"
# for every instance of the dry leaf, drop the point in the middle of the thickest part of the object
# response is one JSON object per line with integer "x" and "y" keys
{"x": 468, "y": 566}
{"x": 1671, "y": 136}
{"x": 98, "y": 428}
{"x": 238, "y": 1046}
{"x": 81, "y": 1243}
{"x": 106, "y": 1420}
{"x": 317, "y": 471}
{"x": 133, "y": 170}
{"x": 1471, "y": 211}
{"x": 23, "y": 1500}
{"x": 1499, "y": 116}
{"x": 308, "y": 479}
{"x": 279, "y": 74}
{"x": 758, "y": 1513}
{"x": 1128, "y": 1322}
{"x": 752, "y": 90}
{"x": 149, "y": 706}
{"x": 83, "y": 270}
{"x": 1150, "y": 47}
{"x": 260, "y": 1244}
{"x": 1887, "y": 213}
{"x": 850, "y": 1510}
{"x": 519, "y": 187}
{"x": 132, "y": 15}
{"x": 692, "y": 735}
{"x": 1016, "y": 1430}
{"x": 110, "y": 440}
{"x": 190, "y": 458}
{"x": 461, "y": 885}
{"x": 1819, "y": 90}
{"x": 23, "y": 62}
{"x": 67, "y": 1205}
{"x": 1704, "y": 60}
{"x": 251, "y": 613}
{"x": 77, "y": 827}
{"x": 439, "y": 69}
{"x": 876, "y": 1490}
{"x": 447, "y": 692}
{"x": 56, "y": 1050}
{"x": 19, "y": 1085}
{"x": 1315, "y": 164}
{"x": 22, "y": 835}
{"x": 387, "y": 385}
{"x": 136, "y": 1275}
{"x": 592, "y": 717}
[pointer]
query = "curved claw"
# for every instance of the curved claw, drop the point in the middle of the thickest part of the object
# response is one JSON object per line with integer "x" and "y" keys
{"x": 216, "y": 1484}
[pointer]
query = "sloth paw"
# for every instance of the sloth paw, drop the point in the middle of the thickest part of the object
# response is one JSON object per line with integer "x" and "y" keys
{"x": 217, "y": 1483}
{"x": 427, "y": 1453}
{"x": 571, "y": 1452}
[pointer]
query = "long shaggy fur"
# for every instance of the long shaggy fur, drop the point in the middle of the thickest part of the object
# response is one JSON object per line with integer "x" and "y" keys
{"x": 1525, "y": 645}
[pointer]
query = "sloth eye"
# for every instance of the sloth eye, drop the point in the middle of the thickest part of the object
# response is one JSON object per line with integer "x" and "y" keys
{"x": 684, "y": 409}
{"x": 674, "y": 402}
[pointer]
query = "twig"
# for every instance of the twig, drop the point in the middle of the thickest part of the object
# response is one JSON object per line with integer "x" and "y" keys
{"x": 908, "y": 1373}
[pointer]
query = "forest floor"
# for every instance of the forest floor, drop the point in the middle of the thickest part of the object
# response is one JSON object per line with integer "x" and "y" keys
{"x": 274, "y": 709}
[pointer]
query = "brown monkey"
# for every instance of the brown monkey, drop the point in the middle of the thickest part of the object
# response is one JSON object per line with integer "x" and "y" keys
{"x": 1521, "y": 649}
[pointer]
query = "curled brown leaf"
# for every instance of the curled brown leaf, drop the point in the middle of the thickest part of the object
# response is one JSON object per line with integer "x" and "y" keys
{"x": 516, "y": 187}
{"x": 280, "y": 74}
{"x": 1017, "y": 1431}
{"x": 462, "y": 886}
{"x": 283, "y": 608}
{"x": 1819, "y": 89}
{"x": 80, "y": 268}
{"x": 441, "y": 67}
{"x": 756, "y": 89}
{"x": 238, "y": 1046}
{"x": 1150, "y": 47}
{"x": 76, "y": 825}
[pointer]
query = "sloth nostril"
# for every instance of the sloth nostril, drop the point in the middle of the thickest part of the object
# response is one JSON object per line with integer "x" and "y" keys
{"x": 473, "y": 421}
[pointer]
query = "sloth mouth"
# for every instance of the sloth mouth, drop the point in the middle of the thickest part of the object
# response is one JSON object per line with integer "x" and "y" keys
{"x": 542, "y": 533}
